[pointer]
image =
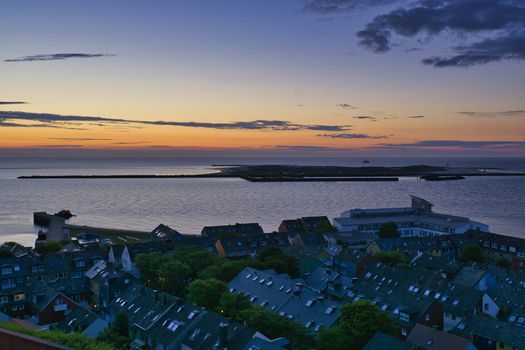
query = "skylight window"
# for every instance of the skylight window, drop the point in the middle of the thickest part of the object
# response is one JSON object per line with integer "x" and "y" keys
{"x": 261, "y": 281}
{"x": 329, "y": 310}
{"x": 192, "y": 315}
{"x": 309, "y": 324}
{"x": 437, "y": 295}
{"x": 455, "y": 302}
{"x": 249, "y": 275}
{"x": 269, "y": 283}
{"x": 309, "y": 303}
{"x": 427, "y": 292}
{"x": 281, "y": 288}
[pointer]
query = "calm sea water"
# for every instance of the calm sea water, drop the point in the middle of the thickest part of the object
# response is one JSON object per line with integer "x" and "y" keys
{"x": 189, "y": 204}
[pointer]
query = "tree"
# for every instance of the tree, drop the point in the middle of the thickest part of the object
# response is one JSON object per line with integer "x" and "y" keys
{"x": 388, "y": 230}
{"x": 391, "y": 258}
{"x": 274, "y": 258}
{"x": 334, "y": 338}
{"x": 361, "y": 320}
{"x": 117, "y": 334}
{"x": 503, "y": 263}
{"x": 233, "y": 304}
{"x": 274, "y": 326}
{"x": 148, "y": 265}
{"x": 173, "y": 277}
{"x": 206, "y": 293}
{"x": 471, "y": 252}
{"x": 197, "y": 258}
{"x": 49, "y": 247}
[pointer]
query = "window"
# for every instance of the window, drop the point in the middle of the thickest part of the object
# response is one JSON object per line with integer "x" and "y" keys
{"x": 20, "y": 296}
{"x": 4, "y": 299}
{"x": 7, "y": 270}
{"x": 403, "y": 316}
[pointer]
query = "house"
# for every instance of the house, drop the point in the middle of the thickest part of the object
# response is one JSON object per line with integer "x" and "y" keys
{"x": 497, "y": 247}
{"x": 417, "y": 220}
{"x": 312, "y": 224}
{"x": 490, "y": 334}
{"x": 433, "y": 339}
{"x": 84, "y": 321}
{"x": 300, "y": 241}
{"x": 351, "y": 263}
{"x": 107, "y": 282}
{"x": 382, "y": 341}
{"x": 395, "y": 288}
{"x": 407, "y": 246}
{"x": 216, "y": 332}
{"x": 164, "y": 233}
{"x": 248, "y": 246}
{"x": 49, "y": 305}
{"x": 237, "y": 230}
{"x": 350, "y": 240}
{"x": 473, "y": 276}
{"x": 330, "y": 282}
{"x": 288, "y": 297}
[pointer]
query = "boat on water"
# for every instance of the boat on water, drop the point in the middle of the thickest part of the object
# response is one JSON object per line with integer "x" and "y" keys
{"x": 442, "y": 177}
{"x": 366, "y": 161}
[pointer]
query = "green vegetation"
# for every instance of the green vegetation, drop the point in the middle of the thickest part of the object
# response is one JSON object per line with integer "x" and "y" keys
{"x": 388, "y": 230}
{"x": 358, "y": 323}
{"x": 272, "y": 325}
{"x": 471, "y": 252}
{"x": 117, "y": 334}
{"x": 73, "y": 340}
{"x": 173, "y": 273}
{"x": 206, "y": 293}
{"x": 392, "y": 258}
{"x": 503, "y": 263}
{"x": 51, "y": 247}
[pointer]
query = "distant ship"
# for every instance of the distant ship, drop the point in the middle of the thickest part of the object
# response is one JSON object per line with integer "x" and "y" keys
{"x": 366, "y": 161}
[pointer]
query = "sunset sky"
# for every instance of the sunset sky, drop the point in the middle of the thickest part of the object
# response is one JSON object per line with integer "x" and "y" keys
{"x": 263, "y": 77}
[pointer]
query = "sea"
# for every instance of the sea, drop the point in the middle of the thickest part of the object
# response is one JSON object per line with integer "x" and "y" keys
{"x": 189, "y": 204}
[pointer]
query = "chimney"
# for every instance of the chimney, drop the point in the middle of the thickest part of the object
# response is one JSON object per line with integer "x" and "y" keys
{"x": 156, "y": 293}
{"x": 223, "y": 333}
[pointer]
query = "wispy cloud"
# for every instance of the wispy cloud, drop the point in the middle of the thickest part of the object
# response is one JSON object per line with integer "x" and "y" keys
{"x": 13, "y": 102}
{"x": 331, "y": 6}
{"x": 415, "y": 116}
{"x": 497, "y": 114}
{"x": 76, "y": 139}
{"x": 353, "y": 136}
{"x": 51, "y": 120}
{"x": 346, "y": 106}
{"x": 365, "y": 117}
{"x": 499, "y": 21}
{"x": 57, "y": 57}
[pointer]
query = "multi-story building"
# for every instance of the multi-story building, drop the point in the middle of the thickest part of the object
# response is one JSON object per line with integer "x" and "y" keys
{"x": 417, "y": 220}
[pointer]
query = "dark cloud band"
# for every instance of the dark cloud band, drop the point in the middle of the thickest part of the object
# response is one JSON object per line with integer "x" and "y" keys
{"x": 57, "y": 57}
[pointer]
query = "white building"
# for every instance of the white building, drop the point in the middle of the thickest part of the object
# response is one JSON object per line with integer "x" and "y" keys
{"x": 416, "y": 221}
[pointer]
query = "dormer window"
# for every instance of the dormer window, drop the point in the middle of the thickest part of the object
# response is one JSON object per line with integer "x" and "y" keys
{"x": 80, "y": 263}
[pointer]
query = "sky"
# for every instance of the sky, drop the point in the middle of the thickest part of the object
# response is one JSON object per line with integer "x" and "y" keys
{"x": 263, "y": 77}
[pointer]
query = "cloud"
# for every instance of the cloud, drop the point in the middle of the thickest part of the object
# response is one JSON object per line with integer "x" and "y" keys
{"x": 302, "y": 147}
{"x": 346, "y": 106}
{"x": 508, "y": 47}
{"x": 365, "y": 117}
{"x": 500, "y": 21}
{"x": 76, "y": 139}
{"x": 331, "y": 6}
{"x": 12, "y": 103}
{"x": 510, "y": 113}
{"x": 57, "y": 57}
{"x": 58, "y": 146}
{"x": 10, "y": 124}
{"x": 51, "y": 120}
{"x": 456, "y": 144}
{"x": 130, "y": 143}
{"x": 352, "y": 136}
{"x": 416, "y": 116}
